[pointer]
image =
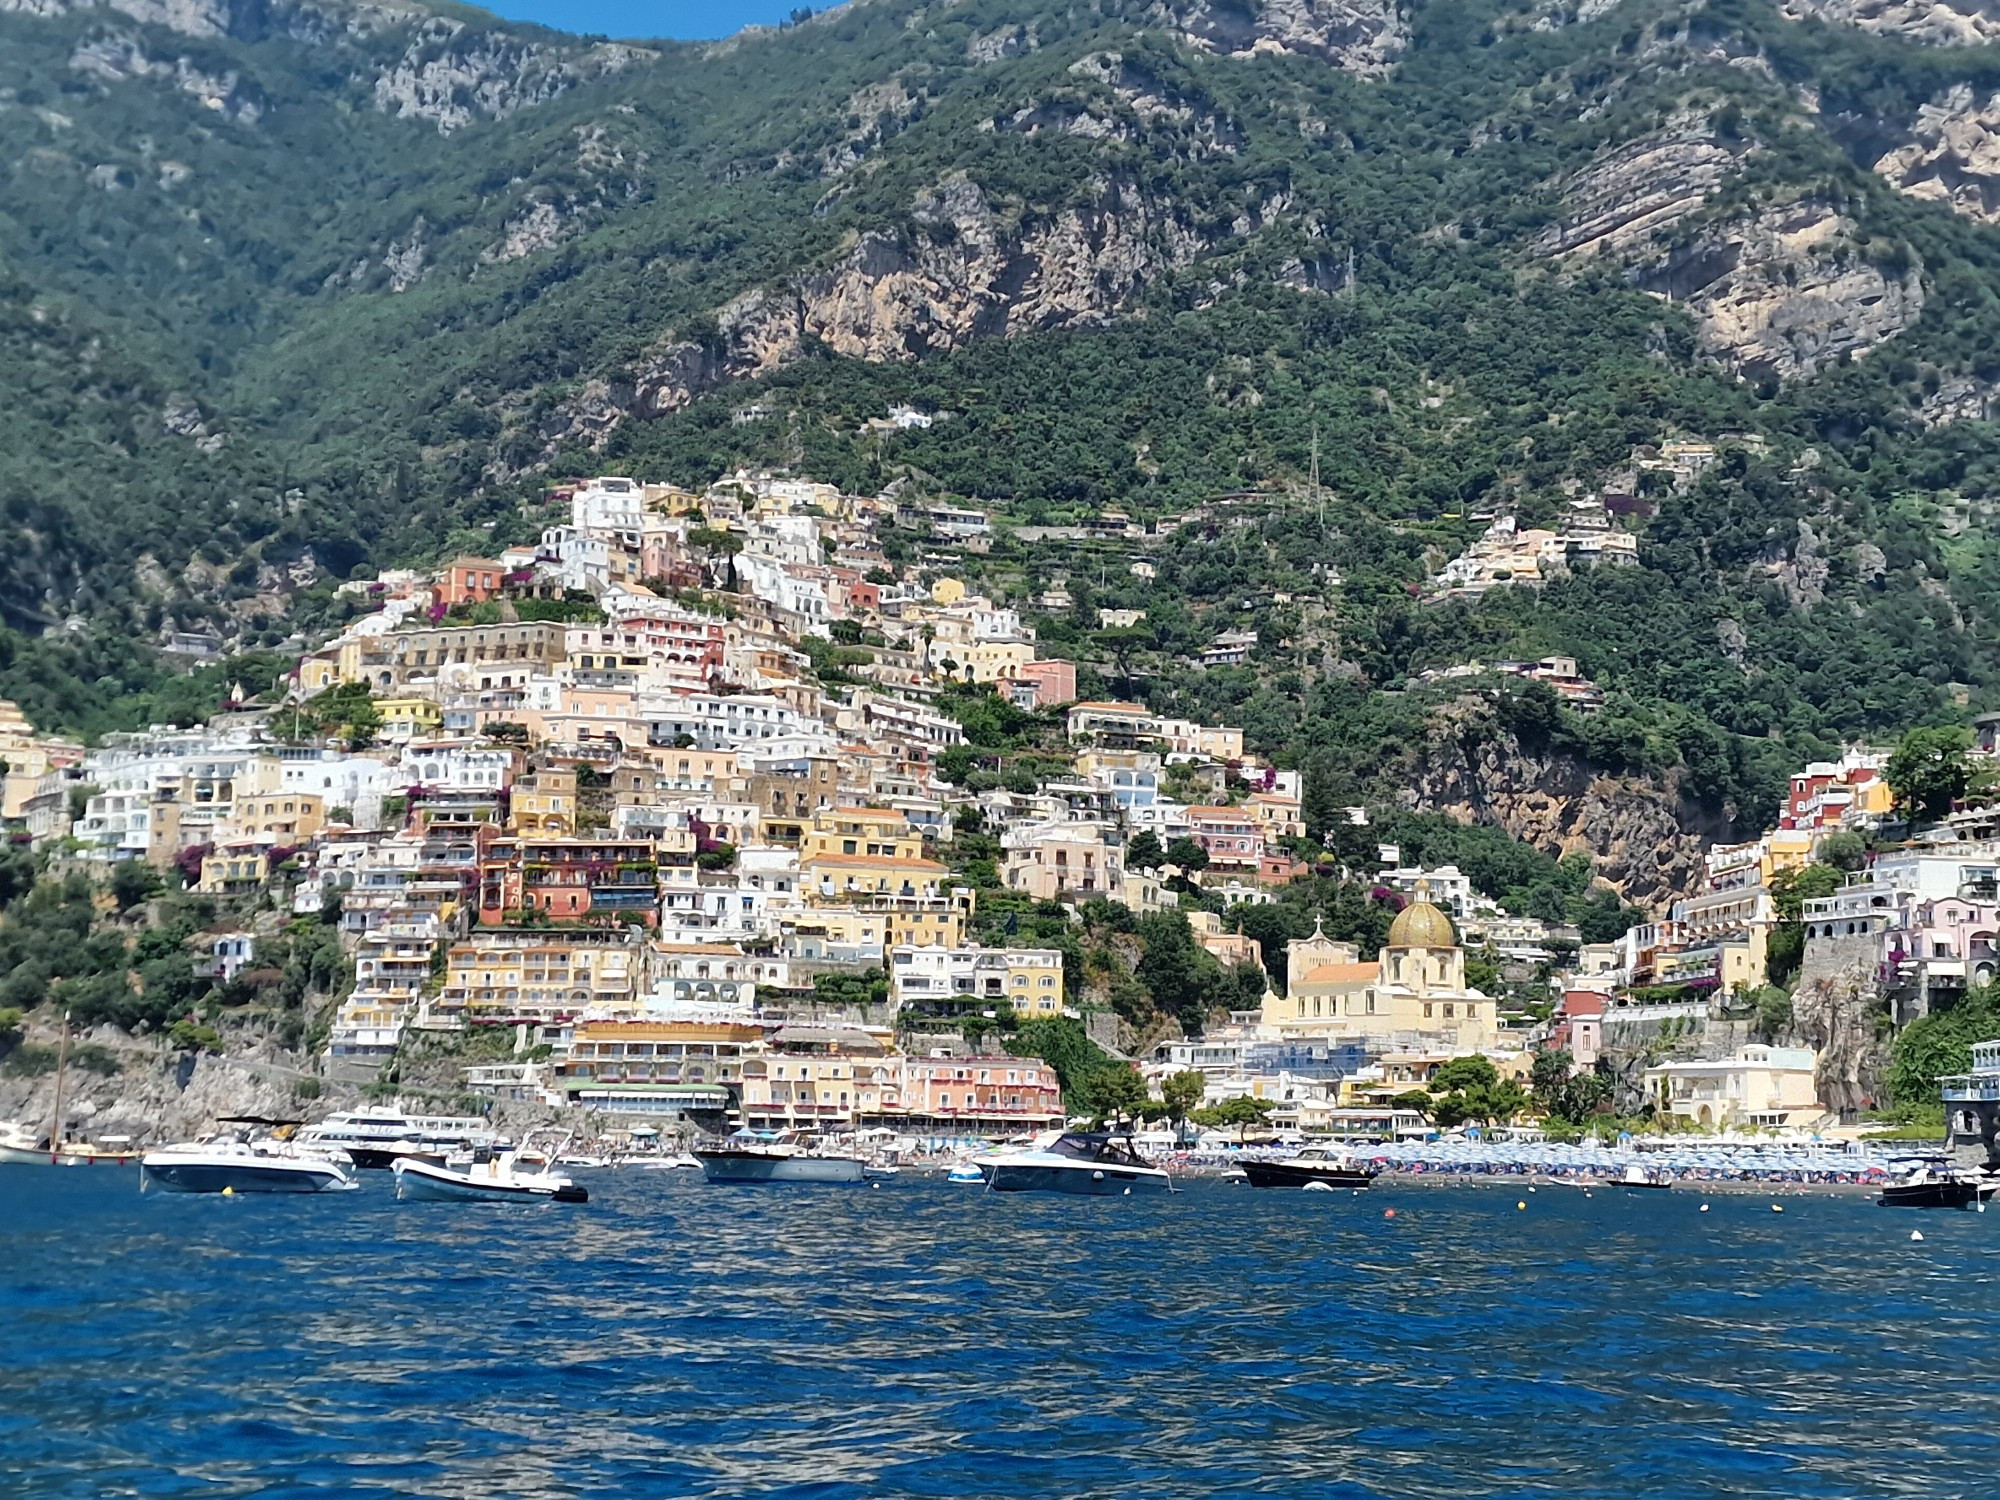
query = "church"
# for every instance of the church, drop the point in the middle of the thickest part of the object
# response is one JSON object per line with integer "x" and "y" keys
{"x": 1413, "y": 995}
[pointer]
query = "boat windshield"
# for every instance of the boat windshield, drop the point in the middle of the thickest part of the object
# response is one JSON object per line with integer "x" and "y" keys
{"x": 1094, "y": 1146}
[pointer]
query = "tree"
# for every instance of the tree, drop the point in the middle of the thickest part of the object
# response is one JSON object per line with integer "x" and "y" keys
{"x": 1187, "y": 854}
{"x": 1460, "y": 1073}
{"x": 1144, "y": 852}
{"x": 1115, "y": 1091}
{"x": 1846, "y": 850}
{"x": 1940, "y": 1043}
{"x": 1241, "y": 1112}
{"x": 1416, "y": 1099}
{"x": 1183, "y": 1093}
{"x": 1929, "y": 771}
{"x": 133, "y": 881}
{"x": 1563, "y": 1093}
{"x": 1183, "y": 978}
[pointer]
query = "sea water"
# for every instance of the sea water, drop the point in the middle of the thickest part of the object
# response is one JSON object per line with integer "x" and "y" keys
{"x": 918, "y": 1339}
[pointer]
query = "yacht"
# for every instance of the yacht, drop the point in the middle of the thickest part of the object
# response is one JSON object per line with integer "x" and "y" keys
{"x": 1322, "y": 1166}
{"x": 1932, "y": 1182}
{"x": 487, "y": 1174}
{"x": 1090, "y": 1163}
{"x": 786, "y": 1157}
{"x": 376, "y": 1138}
{"x": 239, "y": 1166}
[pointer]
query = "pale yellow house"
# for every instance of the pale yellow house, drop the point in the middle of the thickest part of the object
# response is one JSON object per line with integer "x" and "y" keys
{"x": 1414, "y": 994}
{"x": 1760, "y": 1087}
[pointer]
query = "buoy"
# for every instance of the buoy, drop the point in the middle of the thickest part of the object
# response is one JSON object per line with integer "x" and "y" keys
{"x": 1388, "y": 1213}
{"x": 1531, "y": 1190}
{"x": 1916, "y": 1234}
{"x": 1522, "y": 1204}
{"x": 229, "y": 1192}
{"x": 1704, "y": 1208}
{"x": 1777, "y": 1208}
{"x": 1128, "y": 1192}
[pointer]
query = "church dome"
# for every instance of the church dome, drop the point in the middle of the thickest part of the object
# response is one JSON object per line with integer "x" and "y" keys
{"x": 1421, "y": 925}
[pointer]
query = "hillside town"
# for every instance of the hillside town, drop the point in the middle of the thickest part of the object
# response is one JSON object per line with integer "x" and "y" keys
{"x": 671, "y": 802}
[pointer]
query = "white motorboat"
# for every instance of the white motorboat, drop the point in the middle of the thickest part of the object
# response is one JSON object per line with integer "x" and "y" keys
{"x": 237, "y": 1166}
{"x": 486, "y": 1175}
{"x": 378, "y": 1137}
{"x": 1087, "y": 1163}
{"x": 681, "y": 1163}
{"x": 781, "y": 1158}
{"x": 965, "y": 1174}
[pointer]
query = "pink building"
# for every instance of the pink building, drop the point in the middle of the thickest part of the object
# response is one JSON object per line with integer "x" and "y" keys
{"x": 1053, "y": 681}
{"x": 1231, "y": 837}
{"x": 977, "y": 1093}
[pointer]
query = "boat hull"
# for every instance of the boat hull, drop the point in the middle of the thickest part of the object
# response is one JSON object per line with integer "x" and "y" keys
{"x": 1082, "y": 1180}
{"x": 731, "y": 1166}
{"x": 419, "y": 1182}
{"x": 246, "y": 1177}
{"x": 22, "y": 1156}
{"x": 1947, "y": 1194}
{"x": 384, "y": 1158}
{"x": 1289, "y": 1174}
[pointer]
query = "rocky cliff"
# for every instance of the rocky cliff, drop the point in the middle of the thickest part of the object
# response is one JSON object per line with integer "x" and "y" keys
{"x": 1788, "y": 290}
{"x": 1646, "y": 839}
{"x": 1961, "y": 23}
{"x": 1641, "y": 187}
{"x": 1953, "y": 156}
{"x": 1361, "y": 36}
{"x": 964, "y": 272}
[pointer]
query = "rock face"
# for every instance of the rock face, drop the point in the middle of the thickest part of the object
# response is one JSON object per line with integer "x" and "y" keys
{"x": 1962, "y": 23}
{"x": 964, "y": 274}
{"x": 1786, "y": 291}
{"x": 1833, "y": 1011}
{"x": 1361, "y": 36}
{"x": 1954, "y": 158}
{"x": 116, "y": 59}
{"x": 1647, "y": 842}
{"x": 1645, "y": 185}
{"x": 452, "y": 76}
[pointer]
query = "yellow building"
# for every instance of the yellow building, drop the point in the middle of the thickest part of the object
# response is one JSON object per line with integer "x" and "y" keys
{"x": 864, "y": 832}
{"x": 1414, "y": 994}
{"x": 408, "y": 718}
{"x": 234, "y": 870}
{"x": 947, "y": 591}
{"x": 544, "y": 805}
{"x": 546, "y": 975}
{"x": 277, "y": 817}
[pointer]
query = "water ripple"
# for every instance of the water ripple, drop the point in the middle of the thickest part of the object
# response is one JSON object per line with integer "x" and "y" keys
{"x": 916, "y": 1340}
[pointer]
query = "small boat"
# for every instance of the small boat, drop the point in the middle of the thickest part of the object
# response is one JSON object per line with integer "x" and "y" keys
{"x": 1935, "y": 1183}
{"x": 681, "y": 1163}
{"x": 1085, "y": 1163}
{"x": 965, "y": 1174}
{"x": 1637, "y": 1176}
{"x": 486, "y": 1175}
{"x": 237, "y": 1166}
{"x": 20, "y": 1146}
{"x": 1315, "y": 1166}
{"x": 786, "y": 1157}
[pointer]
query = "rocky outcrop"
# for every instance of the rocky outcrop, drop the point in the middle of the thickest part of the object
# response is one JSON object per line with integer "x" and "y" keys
{"x": 1787, "y": 290}
{"x": 1961, "y": 23}
{"x": 1360, "y": 36}
{"x": 119, "y": 59}
{"x": 1959, "y": 398}
{"x": 1834, "y": 1009}
{"x": 452, "y": 75}
{"x": 1646, "y": 840}
{"x": 1953, "y": 157}
{"x": 964, "y": 273}
{"x": 1642, "y": 187}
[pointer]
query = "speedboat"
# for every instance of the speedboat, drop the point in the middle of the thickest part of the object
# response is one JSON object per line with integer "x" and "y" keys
{"x": 1637, "y": 1176}
{"x": 486, "y": 1174}
{"x": 1088, "y": 1163}
{"x": 375, "y": 1139}
{"x": 749, "y": 1157}
{"x": 966, "y": 1174}
{"x": 1935, "y": 1183}
{"x": 238, "y": 1166}
{"x": 1321, "y": 1166}
{"x": 680, "y": 1163}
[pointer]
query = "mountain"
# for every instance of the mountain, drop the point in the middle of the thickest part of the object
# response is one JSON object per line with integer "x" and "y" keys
{"x": 289, "y": 287}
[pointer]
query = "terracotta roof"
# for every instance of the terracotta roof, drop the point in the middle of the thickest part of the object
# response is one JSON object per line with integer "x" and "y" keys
{"x": 1343, "y": 973}
{"x": 875, "y": 862}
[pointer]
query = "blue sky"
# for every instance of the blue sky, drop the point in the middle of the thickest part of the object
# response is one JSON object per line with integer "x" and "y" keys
{"x": 685, "y": 20}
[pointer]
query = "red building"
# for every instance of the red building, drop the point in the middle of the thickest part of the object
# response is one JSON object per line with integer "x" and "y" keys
{"x": 471, "y": 580}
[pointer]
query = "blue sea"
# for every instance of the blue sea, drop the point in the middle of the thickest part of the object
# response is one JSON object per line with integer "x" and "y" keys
{"x": 923, "y": 1340}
